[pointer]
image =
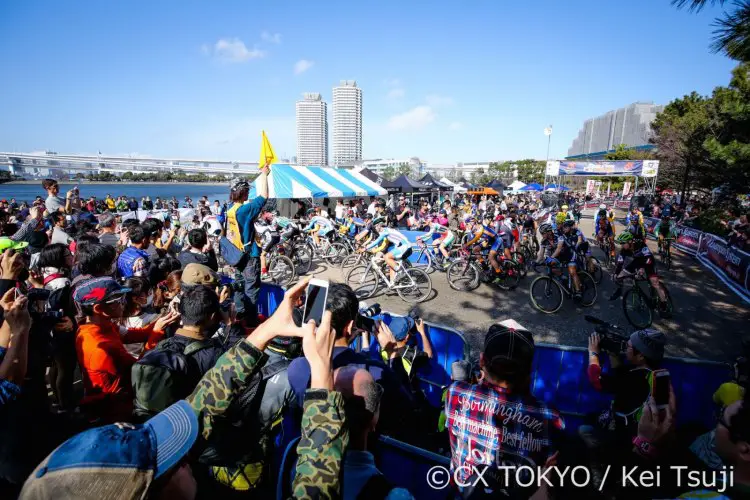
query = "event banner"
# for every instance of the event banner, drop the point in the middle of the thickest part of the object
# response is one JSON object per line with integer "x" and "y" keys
{"x": 649, "y": 223}
{"x": 625, "y": 189}
{"x": 687, "y": 239}
{"x": 590, "y": 184}
{"x": 730, "y": 264}
{"x": 640, "y": 168}
{"x": 553, "y": 168}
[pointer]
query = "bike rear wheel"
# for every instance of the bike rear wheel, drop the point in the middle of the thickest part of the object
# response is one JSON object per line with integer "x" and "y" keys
{"x": 336, "y": 253}
{"x": 423, "y": 260}
{"x": 588, "y": 289}
{"x": 281, "y": 270}
{"x": 509, "y": 278}
{"x": 594, "y": 268}
{"x": 520, "y": 259}
{"x": 414, "y": 286}
{"x": 363, "y": 280}
{"x": 637, "y": 308}
{"x": 302, "y": 259}
{"x": 546, "y": 294}
{"x": 463, "y": 275}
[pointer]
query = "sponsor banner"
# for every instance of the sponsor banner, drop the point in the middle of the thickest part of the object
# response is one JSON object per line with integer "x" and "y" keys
{"x": 591, "y": 204}
{"x": 186, "y": 214}
{"x": 625, "y": 189}
{"x": 590, "y": 184}
{"x": 730, "y": 264}
{"x": 625, "y": 204}
{"x": 649, "y": 223}
{"x": 647, "y": 168}
{"x": 687, "y": 239}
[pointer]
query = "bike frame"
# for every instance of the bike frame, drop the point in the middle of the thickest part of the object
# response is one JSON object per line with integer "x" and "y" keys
{"x": 375, "y": 264}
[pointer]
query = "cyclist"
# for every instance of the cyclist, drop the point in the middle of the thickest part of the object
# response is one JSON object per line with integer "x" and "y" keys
{"x": 635, "y": 217}
{"x": 489, "y": 238}
{"x": 638, "y": 257}
{"x": 529, "y": 226}
{"x": 555, "y": 250}
{"x": 365, "y": 229}
{"x": 439, "y": 225}
{"x": 575, "y": 239}
{"x": 603, "y": 213}
{"x": 636, "y": 228}
{"x": 505, "y": 232}
{"x": 605, "y": 229}
{"x": 392, "y": 243}
{"x": 318, "y": 225}
{"x": 266, "y": 236}
{"x": 664, "y": 229}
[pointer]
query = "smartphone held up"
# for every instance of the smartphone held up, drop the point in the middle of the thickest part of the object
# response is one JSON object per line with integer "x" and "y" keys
{"x": 316, "y": 296}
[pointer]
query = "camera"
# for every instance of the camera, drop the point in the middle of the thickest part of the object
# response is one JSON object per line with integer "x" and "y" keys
{"x": 610, "y": 341}
{"x": 365, "y": 318}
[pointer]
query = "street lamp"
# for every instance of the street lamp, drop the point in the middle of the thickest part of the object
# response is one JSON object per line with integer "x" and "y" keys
{"x": 548, "y": 133}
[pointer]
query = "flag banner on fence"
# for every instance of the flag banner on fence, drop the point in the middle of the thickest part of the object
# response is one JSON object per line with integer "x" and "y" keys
{"x": 553, "y": 168}
{"x": 730, "y": 264}
{"x": 590, "y": 185}
{"x": 649, "y": 223}
{"x": 625, "y": 189}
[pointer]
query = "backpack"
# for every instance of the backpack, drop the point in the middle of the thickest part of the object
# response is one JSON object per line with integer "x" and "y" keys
{"x": 165, "y": 375}
{"x": 233, "y": 440}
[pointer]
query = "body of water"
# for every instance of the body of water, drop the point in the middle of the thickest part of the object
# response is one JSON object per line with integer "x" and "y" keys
{"x": 27, "y": 192}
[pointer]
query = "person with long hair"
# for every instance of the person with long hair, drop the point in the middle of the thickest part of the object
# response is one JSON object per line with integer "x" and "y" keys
{"x": 138, "y": 312}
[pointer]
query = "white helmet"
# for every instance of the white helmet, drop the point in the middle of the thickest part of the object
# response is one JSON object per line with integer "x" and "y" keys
{"x": 213, "y": 228}
{"x": 603, "y": 206}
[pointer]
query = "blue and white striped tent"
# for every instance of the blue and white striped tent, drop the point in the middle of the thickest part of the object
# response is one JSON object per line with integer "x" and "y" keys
{"x": 287, "y": 181}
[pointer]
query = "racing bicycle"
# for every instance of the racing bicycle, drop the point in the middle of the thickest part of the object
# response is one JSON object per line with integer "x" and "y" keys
{"x": 547, "y": 292}
{"x": 665, "y": 251}
{"x": 412, "y": 285}
{"x": 472, "y": 268}
{"x": 638, "y": 304}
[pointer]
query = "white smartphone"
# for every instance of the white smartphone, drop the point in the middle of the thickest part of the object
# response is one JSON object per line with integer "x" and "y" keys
{"x": 315, "y": 301}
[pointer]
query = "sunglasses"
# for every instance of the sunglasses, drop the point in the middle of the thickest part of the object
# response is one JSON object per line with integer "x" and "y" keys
{"x": 119, "y": 299}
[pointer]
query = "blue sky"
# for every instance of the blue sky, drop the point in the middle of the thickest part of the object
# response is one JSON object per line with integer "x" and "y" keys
{"x": 445, "y": 81}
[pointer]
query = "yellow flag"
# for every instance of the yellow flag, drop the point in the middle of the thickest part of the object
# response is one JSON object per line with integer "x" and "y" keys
{"x": 266, "y": 152}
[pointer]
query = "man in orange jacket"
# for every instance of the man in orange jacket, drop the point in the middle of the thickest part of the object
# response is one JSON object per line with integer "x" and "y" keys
{"x": 105, "y": 364}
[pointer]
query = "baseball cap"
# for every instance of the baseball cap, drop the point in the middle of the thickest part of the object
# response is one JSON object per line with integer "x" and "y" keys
{"x": 106, "y": 220}
{"x": 399, "y": 325}
{"x": 649, "y": 342}
{"x": 198, "y": 274}
{"x": 98, "y": 290}
{"x": 6, "y": 243}
{"x": 119, "y": 460}
{"x": 509, "y": 341}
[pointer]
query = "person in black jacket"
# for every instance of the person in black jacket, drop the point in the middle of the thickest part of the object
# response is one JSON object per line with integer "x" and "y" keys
{"x": 199, "y": 252}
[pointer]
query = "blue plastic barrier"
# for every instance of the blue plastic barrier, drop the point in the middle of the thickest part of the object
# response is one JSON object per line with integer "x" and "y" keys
{"x": 559, "y": 378}
{"x": 406, "y": 466}
{"x": 269, "y": 298}
{"x": 286, "y": 470}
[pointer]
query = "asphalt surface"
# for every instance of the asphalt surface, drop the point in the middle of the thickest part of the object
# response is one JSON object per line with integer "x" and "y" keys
{"x": 708, "y": 322}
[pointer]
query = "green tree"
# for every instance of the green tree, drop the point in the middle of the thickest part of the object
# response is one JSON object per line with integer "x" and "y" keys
{"x": 389, "y": 173}
{"x": 502, "y": 170}
{"x": 531, "y": 170}
{"x": 732, "y": 32}
{"x": 405, "y": 169}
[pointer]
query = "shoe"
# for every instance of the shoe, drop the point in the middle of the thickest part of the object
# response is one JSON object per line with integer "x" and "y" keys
{"x": 577, "y": 297}
{"x": 616, "y": 295}
{"x": 264, "y": 276}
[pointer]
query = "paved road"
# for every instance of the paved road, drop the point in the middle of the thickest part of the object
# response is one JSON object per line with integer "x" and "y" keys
{"x": 708, "y": 321}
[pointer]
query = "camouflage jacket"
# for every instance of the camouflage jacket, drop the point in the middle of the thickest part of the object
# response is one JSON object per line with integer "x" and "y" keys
{"x": 324, "y": 436}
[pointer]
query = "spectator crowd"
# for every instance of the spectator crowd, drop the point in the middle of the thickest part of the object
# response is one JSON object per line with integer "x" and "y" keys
{"x": 133, "y": 364}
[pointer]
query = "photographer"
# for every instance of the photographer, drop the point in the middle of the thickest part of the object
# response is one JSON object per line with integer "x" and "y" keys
{"x": 199, "y": 251}
{"x": 398, "y": 342}
{"x": 53, "y": 202}
{"x": 629, "y": 383}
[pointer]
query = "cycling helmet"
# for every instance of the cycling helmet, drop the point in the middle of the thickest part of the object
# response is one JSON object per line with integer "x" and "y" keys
{"x": 378, "y": 220}
{"x": 368, "y": 216}
{"x": 212, "y": 227}
{"x": 310, "y": 211}
{"x": 569, "y": 223}
{"x": 624, "y": 237}
{"x": 564, "y": 207}
{"x": 545, "y": 228}
{"x": 443, "y": 212}
{"x": 603, "y": 206}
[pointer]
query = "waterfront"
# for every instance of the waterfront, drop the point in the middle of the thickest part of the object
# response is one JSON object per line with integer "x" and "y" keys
{"x": 29, "y": 191}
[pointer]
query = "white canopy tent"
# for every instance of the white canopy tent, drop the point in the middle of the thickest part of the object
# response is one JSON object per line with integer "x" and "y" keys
{"x": 516, "y": 186}
{"x": 456, "y": 187}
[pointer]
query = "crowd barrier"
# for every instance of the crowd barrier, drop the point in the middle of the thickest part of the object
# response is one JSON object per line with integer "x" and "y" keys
{"x": 186, "y": 214}
{"x": 731, "y": 265}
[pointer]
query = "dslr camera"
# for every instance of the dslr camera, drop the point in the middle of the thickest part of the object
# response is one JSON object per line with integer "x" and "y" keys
{"x": 610, "y": 342}
{"x": 365, "y": 318}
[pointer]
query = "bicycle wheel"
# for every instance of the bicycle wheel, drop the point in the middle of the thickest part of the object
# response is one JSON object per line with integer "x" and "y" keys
{"x": 546, "y": 294}
{"x": 667, "y": 258}
{"x": 636, "y": 307}
{"x": 669, "y": 309}
{"x": 462, "y": 275}
{"x": 336, "y": 253}
{"x": 349, "y": 262}
{"x": 520, "y": 259}
{"x": 414, "y": 286}
{"x": 588, "y": 289}
{"x": 510, "y": 276}
{"x": 594, "y": 268}
{"x": 364, "y": 281}
{"x": 302, "y": 259}
{"x": 281, "y": 270}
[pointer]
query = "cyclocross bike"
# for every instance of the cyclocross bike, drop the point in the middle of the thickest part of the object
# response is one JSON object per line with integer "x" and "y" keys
{"x": 638, "y": 304}
{"x": 547, "y": 292}
{"x": 412, "y": 285}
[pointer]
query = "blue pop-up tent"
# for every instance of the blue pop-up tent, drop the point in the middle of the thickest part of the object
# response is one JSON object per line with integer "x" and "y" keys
{"x": 531, "y": 187}
{"x": 288, "y": 181}
{"x": 560, "y": 188}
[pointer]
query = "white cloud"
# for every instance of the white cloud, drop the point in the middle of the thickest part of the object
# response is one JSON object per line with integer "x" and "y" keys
{"x": 270, "y": 37}
{"x": 234, "y": 50}
{"x": 395, "y": 94}
{"x": 414, "y": 119}
{"x": 438, "y": 100}
{"x": 455, "y": 126}
{"x": 302, "y": 65}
